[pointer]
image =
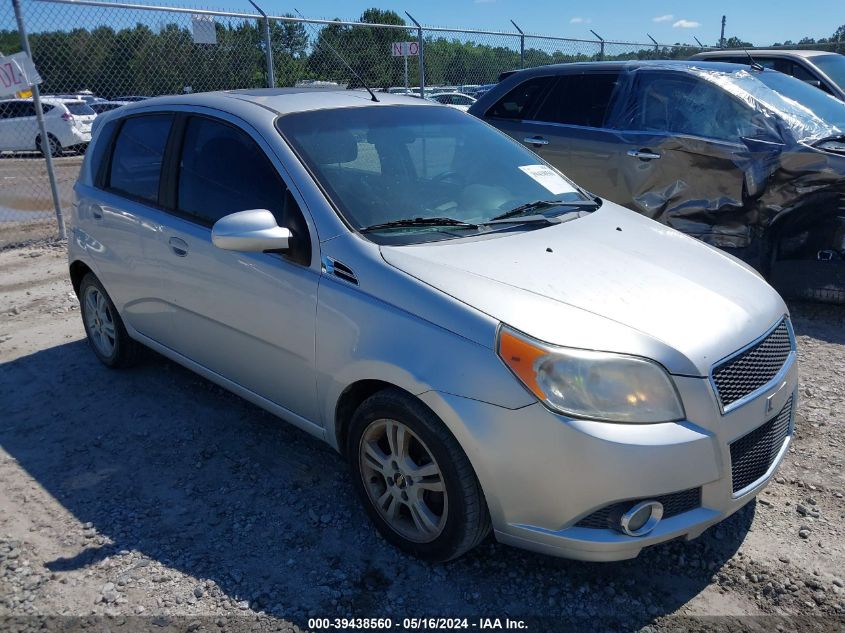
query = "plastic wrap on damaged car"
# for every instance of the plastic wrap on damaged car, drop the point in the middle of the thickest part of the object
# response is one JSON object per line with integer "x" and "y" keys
{"x": 770, "y": 178}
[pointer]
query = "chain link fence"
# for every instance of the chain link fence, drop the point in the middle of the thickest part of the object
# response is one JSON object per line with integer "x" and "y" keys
{"x": 120, "y": 51}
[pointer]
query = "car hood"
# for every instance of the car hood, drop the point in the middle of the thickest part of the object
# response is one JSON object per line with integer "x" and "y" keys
{"x": 612, "y": 281}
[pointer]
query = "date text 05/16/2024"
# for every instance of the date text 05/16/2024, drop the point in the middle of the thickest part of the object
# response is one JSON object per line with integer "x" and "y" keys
{"x": 416, "y": 624}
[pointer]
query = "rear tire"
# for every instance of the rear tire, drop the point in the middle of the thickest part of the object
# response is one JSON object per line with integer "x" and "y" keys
{"x": 414, "y": 479}
{"x": 52, "y": 144}
{"x": 103, "y": 326}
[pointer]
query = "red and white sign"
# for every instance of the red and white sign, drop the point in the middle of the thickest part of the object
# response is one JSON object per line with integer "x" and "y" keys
{"x": 17, "y": 74}
{"x": 405, "y": 49}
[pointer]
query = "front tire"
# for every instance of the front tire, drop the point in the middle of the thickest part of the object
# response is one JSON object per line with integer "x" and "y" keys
{"x": 414, "y": 479}
{"x": 103, "y": 326}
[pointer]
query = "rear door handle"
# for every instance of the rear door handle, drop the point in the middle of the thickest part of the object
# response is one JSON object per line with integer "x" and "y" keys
{"x": 96, "y": 212}
{"x": 535, "y": 140}
{"x": 178, "y": 246}
{"x": 643, "y": 154}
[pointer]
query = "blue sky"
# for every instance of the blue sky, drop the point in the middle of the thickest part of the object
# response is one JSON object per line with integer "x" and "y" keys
{"x": 759, "y": 21}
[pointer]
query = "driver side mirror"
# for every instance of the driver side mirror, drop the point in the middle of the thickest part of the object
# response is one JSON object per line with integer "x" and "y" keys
{"x": 813, "y": 82}
{"x": 252, "y": 231}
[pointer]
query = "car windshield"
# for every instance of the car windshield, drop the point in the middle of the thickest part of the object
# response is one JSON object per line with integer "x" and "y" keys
{"x": 389, "y": 164}
{"x": 810, "y": 113}
{"x": 833, "y": 66}
{"x": 824, "y": 106}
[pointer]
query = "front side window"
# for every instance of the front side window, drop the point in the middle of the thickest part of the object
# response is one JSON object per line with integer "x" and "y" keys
{"x": 137, "y": 157}
{"x": 381, "y": 164}
{"x": 522, "y": 100}
{"x": 582, "y": 100}
{"x": 223, "y": 170}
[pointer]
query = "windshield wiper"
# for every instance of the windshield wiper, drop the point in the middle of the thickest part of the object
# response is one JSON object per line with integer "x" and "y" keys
{"x": 529, "y": 207}
{"x": 411, "y": 222}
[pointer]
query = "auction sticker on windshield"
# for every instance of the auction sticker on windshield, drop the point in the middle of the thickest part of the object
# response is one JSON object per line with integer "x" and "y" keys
{"x": 548, "y": 178}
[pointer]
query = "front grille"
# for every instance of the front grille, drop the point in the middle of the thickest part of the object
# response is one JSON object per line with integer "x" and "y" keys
{"x": 746, "y": 372}
{"x": 752, "y": 454}
{"x": 673, "y": 505}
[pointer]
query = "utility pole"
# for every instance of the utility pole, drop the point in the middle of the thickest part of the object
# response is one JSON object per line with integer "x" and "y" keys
{"x": 722, "y": 37}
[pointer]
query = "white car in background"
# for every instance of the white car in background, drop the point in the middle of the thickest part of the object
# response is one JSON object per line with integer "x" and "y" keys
{"x": 457, "y": 100}
{"x": 68, "y": 124}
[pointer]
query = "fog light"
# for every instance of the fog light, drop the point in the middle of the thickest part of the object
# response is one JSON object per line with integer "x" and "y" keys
{"x": 641, "y": 518}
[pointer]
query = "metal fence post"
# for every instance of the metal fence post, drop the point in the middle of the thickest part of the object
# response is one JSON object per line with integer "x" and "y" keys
{"x": 268, "y": 47}
{"x": 656, "y": 45}
{"x": 521, "y": 45}
{"x": 420, "y": 56}
{"x": 601, "y": 45}
{"x": 42, "y": 128}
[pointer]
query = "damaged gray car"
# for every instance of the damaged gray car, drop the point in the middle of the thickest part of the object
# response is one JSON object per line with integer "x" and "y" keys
{"x": 749, "y": 160}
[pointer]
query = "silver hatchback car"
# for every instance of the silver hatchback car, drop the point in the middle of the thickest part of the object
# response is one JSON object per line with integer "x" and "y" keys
{"x": 488, "y": 345}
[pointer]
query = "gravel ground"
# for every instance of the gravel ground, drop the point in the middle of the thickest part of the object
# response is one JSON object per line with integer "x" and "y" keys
{"x": 152, "y": 497}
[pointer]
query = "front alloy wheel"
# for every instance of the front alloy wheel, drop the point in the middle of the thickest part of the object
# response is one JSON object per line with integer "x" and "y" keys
{"x": 403, "y": 480}
{"x": 414, "y": 478}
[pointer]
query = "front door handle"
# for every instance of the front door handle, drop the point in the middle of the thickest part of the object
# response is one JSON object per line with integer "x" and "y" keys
{"x": 96, "y": 212}
{"x": 178, "y": 246}
{"x": 535, "y": 140}
{"x": 643, "y": 154}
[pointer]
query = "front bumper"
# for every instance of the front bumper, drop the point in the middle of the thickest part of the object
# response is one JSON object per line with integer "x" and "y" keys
{"x": 542, "y": 473}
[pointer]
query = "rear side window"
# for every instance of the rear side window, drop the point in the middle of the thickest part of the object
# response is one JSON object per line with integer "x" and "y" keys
{"x": 522, "y": 100}
{"x": 25, "y": 109}
{"x": 583, "y": 100}
{"x": 223, "y": 170}
{"x": 81, "y": 108}
{"x": 138, "y": 154}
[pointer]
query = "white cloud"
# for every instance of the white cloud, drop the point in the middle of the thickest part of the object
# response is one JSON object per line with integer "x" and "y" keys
{"x": 663, "y": 18}
{"x": 686, "y": 24}
{"x": 577, "y": 20}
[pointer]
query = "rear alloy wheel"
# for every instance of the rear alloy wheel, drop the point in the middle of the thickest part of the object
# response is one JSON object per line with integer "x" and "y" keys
{"x": 103, "y": 326}
{"x": 414, "y": 478}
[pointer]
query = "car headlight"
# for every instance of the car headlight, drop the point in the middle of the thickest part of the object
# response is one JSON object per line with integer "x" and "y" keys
{"x": 594, "y": 385}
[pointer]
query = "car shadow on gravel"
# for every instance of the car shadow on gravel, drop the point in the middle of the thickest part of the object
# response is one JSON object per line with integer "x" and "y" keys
{"x": 158, "y": 461}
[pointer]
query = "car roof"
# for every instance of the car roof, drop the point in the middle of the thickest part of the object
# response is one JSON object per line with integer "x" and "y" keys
{"x": 767, "y": 52}
{"x": 283, "y": 100}
{"x": 675, "y": 64}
